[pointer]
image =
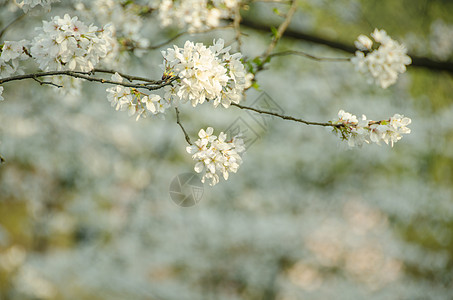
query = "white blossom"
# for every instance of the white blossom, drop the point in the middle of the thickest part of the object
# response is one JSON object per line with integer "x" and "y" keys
{"x": 11, "y": 53}
{"x": 6, "y": 69}
{"x": 215, "y": 154}
{"x": 384, "y": 63}
{"x": 68, "y": 44}
{"x": 363, "y": 43}
{"x": 1, "y": 92}
{"x": 135, "y": 102}
{"x": 12, "y": 50}
{"x": 205, "y": 74}
{"x": 357, "y": 132}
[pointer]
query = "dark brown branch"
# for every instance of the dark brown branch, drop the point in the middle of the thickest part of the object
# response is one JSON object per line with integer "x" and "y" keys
{"x": 286, "y": 117}
{"x": 417, "y": 61}
{"x": 88, "y": 76}
{"x": 178, "y": 121}
{"x": 46, "y": 82}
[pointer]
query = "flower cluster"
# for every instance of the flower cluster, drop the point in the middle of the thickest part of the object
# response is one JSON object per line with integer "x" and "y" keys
{"x": 357, "y": 132}
{"x": 68, "y": 44}
{"x": 1, "y": 92}
{"x": 11, "y": 53}
{"x": 196, "y": 14}
{"x": 27, "y": 5}
{"x": 204, "y": 73}
{"x": 134, "y": 101}
{"x": 214, "y": 154}
{"x": 383, "y": 63}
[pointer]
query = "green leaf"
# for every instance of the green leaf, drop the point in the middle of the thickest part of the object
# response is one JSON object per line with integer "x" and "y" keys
{"x": 274, "y": 31}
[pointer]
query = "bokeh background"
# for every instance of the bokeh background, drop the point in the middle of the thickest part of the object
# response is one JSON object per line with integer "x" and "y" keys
{"x": 85, "y": 211}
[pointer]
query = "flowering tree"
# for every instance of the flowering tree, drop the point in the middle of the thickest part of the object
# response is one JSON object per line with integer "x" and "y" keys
{"x": 196, "y": 73}
{"x": 79, "y": 46}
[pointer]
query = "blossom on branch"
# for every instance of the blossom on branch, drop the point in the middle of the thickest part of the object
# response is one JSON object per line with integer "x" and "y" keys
{"x": 68, "y": 44}
{"x": 357, "y": 132}
{"x": 11, "y": 52}
{"x": 134, "y": 101}
{"x": 384, "y": 63}
{"x": 214, "y": 154}
{"x": 205, "y": 74}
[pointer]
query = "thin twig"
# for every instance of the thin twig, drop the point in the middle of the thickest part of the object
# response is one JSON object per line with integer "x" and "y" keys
{"x": 301, "y": 53}
{"x": 178, "y": 121}
{"x": 46, "y": 82}
{"x": 10, "y": 24}
{"x": 417, "y": 61}
{"x": 87, "y": 76}
{"x": 167, "y": 42}
{"x": 237, "y": 26}
{"x": 286, "y": 117}
{"x": 281, "y": 30}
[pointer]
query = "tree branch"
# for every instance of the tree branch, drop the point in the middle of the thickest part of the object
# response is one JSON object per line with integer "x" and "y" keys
{"x": 46, "y": 82}
{"x": 281, "y": 29}
{"x": 87, "y": 76}
{"x": 178, "y": 121}
{"x": 417, "y": 61}
{"x": 287, "y": 117}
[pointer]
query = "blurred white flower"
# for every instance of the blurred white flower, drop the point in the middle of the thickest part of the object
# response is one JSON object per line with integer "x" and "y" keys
{"x": 384, "y": 63}
{"x": 441, "y": 39}
{"x": 27, "y": 5}
{"x": 196, "y": 15}
{"x": 363, "y": 43}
